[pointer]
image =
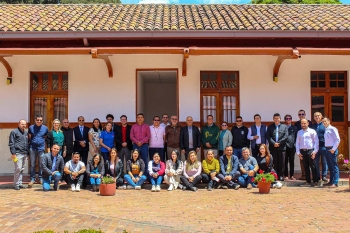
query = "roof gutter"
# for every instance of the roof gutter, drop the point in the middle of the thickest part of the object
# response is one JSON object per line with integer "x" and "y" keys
{"x": 64, "y": 35}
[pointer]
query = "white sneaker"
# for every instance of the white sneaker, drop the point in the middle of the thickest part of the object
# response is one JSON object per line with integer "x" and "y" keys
{"x": 158, "y": 188}
{"x": 138, "y": 187}
{"x": 171, "y": 187}
{"x": 274, "y": 186}
{"x": 123, "y": 187}
{"x": 73, "y": 187}
{"x": 279, "y": 185}
{"x": 153, "y": 188}
{"x": 77, "y": 188}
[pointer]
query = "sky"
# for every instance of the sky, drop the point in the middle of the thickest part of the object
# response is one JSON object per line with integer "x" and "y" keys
{"x": 195, "y": 1}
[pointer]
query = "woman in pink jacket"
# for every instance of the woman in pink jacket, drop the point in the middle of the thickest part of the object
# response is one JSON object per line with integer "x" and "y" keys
{"x": 156, "y": 170}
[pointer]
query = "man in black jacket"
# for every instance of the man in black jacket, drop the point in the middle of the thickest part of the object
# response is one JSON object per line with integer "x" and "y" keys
{"x": 19, "y": 148}
{"x": 52, "y": 167}
{"x": 123, "y": 141}
{"x": 190, "y": 139}
{"x": 290, "y": 147}
{"x": 68, "y": 141}
{"x": 277, "y": 135}
{"x": 239, "y": 137}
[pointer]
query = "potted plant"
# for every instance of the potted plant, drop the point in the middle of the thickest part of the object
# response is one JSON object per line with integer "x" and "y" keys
{"x": 346, "y": 164}
{"x": 264, "y": 181}
{"x": 108, "y": 186}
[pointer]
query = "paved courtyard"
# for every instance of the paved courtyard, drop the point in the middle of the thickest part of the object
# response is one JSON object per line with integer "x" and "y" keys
{"x": 289, "y": 209}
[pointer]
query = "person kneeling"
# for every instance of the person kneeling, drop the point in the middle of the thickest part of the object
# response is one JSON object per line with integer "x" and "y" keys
{"x": 192, "y": 172}
{"x": 156, "y": 169}
{"x": 248, "y": 167}
{"x": 211, "y": 168}
{"x": 74, "y": 170}
{"x": 95, "y": 169}
{"x": 228, "y": 167}
{"x": 52, "y": 168}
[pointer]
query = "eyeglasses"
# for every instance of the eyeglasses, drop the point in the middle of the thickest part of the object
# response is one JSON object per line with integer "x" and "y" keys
{"x": 165, "y": 117}
{"x": 317, "y": 115}
{"x": 223, "y": 125}
{"x": 175, "y": 119}
{"x": 238, "y": 120}
{"x": 156, "y": 120}
{"x": 301, "y": 114}
{"x": 81, "y": 120}
{"x": 288, "y": 118}
{"x": 39, "y": 120}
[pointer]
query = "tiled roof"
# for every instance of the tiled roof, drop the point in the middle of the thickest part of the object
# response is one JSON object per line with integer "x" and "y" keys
{"x": 174, "y": 17}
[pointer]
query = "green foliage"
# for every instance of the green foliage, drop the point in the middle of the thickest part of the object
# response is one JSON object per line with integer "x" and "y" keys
{"x": 265, "y": 177}
{"x": 295, "y": 2}
{"x": 107, "y": 179}
{"x": 60, "y": 1}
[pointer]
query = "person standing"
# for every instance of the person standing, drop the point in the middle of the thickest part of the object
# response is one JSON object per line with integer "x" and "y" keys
{"x": 37, "y": 134}
{"x": 277, "y": 135}
{"x": 239, "y": 137}
{"x": 290, "y": 148}
{"x": 94, "y": 137}
{"x": 306, "y": 148}
{"x": 190, "y": 139}
{"x": 156, "y": 141}
{"x": 302, "y": 115}
{"x": 107, "y": 141}
{"x": 81, "y": 135}
{"x": 332, "y": 141}
{"x": 172, "y": 136}
{"x": 322, "y": 151}
{"x": 210, "y": 136}
{"x": 68, "y": 147}
{"x": 123, "y": 141}
{"x": 257, "y": 135}
{"x": 110, "y": 119}
{"x": 52, "y": 165}
{"x": 224, "y": 139}
{"x": 164, "y": 124}
{"x": 55, "y": 136}
{"x": 19, "y": 148}
{"x": 140, "y": 135}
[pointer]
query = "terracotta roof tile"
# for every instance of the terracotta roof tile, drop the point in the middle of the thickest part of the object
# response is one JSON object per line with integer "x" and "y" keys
{"x": 173, "y": 17}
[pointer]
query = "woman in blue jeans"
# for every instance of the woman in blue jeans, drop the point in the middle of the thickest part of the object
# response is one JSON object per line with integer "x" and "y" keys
{"x": 95, "y": 169}
{"x": 135, "y": 168}
{"x": 107, "y": 141}
{"x": 156, "y": 169}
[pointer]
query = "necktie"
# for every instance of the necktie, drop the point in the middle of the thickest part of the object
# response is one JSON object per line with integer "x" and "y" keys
{"x": 81, "y": 130}
{"x": 276, "y": 133}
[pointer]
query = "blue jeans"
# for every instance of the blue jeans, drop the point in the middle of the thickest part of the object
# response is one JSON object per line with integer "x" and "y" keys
{"x": 95, "y": 181}
{"x": 143, "y": 153}
{"x": 128, "y": 179}
{"x": 105, "y": 156}
{"x": 47, "y": 181}
{"x": 333, "y": 166}
{"x": 321, "y": 154}
{"x": 237, "y": 152}
{"x": 156, "y": 181}
{"x": 244, "y": 179}
{"x": 33, "y": 155}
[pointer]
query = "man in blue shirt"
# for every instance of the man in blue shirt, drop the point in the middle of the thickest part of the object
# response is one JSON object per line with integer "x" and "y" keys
{"x": 37, "y": 134}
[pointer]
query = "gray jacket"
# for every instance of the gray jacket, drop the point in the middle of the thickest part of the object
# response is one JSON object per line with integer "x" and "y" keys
{"x": 46, "y": 164}
{"x": 226, "y": 140}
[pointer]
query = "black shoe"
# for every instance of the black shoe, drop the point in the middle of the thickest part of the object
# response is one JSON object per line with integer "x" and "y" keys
{"x": 22, "y": 187}
{"x": 236, "y": 186}
{"x": 16, "y": 188}
{"x": 194, "y": 189}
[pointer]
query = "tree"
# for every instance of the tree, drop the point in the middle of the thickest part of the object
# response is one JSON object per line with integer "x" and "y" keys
{"x": 59, "y": 1}
{"x": 295, "y": 2}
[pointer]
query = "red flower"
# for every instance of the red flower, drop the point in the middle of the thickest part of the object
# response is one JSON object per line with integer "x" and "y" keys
{"x": 253, "y": 179}
{"x": 261, "y": 171}
{"x": 263, "y": 179}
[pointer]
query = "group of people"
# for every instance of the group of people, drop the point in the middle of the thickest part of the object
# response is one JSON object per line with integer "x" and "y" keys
{"x": 167, "y": 151}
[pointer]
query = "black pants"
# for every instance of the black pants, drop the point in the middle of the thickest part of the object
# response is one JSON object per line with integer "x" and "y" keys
{"x": 255, "y": 151}
{"x": 207, "y": 179}
{"x": 290, "y": 155}
{"x": 194, "y": 183}
{"x": 79, "y": 179}
{"x": 279, "y": 157}
{"x": 309, "y": 163}
{"x": 188, "y": 151}
{"x": 231, "y": 182}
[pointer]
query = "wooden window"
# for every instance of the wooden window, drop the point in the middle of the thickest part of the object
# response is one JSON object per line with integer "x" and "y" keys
{"x": 219, "y": 95}
{"x": 49, "y": 96}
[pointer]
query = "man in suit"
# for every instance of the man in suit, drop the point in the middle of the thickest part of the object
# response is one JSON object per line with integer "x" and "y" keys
{"x": 81, "y": 143}
{"x": 190, "y": 139}
{"x": 277, "y": 135}
{"x": 257, "y": 135}
{"x": 290, "y": 147}
{"x": 302, "y": 115}
{"x": 123, "y": 141}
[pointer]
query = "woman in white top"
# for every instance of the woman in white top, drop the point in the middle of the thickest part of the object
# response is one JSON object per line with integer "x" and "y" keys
{"x": 192, "y": 172}
{"x": 94, "y": 137}
{"x": 173, "y": 170}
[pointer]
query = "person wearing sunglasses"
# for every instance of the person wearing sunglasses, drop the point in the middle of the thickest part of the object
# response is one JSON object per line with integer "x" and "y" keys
{"x": 239, "y": 137}
{"x": 156, "y": 141}
{"x": 225, "y": 138}
{"x": 290, "y": 148}
{"x": 302, "y": 115}
{"x": 68, "y": 147}
{"x": 37, "y": 134}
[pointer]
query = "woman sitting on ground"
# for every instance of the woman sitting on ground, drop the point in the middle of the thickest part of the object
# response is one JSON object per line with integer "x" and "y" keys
{"x": 156, "y": 169}
{"x": 192, "y": 172}
{"x": 95, "y": 169}
{"x": 173, "y": 170}
{"x": 211, "y": 168}
{"x": 135, "y": 168}
{"x": 265, "y": 163}
{"x": 115, "y": 168}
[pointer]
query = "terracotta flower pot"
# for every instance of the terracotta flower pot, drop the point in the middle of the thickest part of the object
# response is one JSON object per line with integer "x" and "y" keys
{"x": 107, "y": 189}
{"x": 264, "y": 187}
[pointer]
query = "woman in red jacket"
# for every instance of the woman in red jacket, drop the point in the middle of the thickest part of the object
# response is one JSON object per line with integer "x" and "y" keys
{"x": 156, "y": 170}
